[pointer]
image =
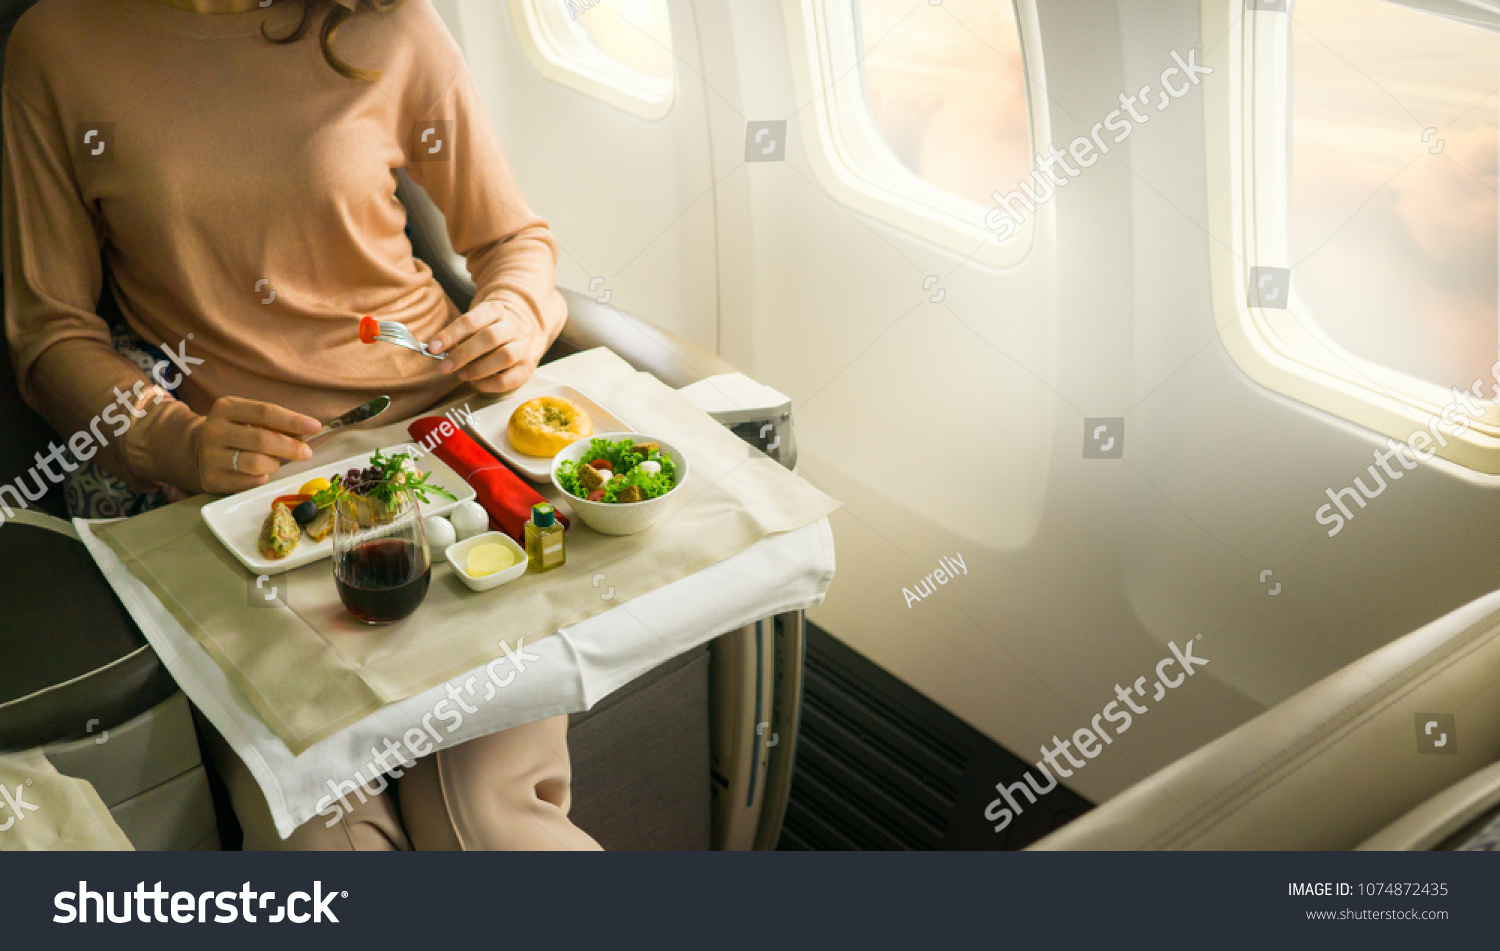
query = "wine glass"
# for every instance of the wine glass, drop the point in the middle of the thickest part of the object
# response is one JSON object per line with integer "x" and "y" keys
{"x": 381, "y": 564}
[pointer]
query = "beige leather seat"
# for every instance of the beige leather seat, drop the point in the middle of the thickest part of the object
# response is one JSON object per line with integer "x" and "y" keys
{"x": 1463, "y": 816}
{"x": 1349, "y": 762}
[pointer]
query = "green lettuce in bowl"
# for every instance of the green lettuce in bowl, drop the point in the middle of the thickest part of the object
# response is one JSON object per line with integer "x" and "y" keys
{"x": 634, "y": 494}
{"x": 625, "y": 463}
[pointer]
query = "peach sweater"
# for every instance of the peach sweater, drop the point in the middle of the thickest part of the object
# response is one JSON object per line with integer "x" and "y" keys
{"x": 243, "y": 196}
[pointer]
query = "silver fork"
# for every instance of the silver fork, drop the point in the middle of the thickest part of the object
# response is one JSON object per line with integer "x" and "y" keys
{"x": 395, "y": 332}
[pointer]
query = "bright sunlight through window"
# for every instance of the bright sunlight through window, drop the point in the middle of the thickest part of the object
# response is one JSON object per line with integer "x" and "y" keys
{"x": 947, "y": 88}
{"x": 1393, "y": 226}
{"x": 915, "y": 113}
{"x": 1352, "y": 205}
{"x": 636, "y": 33}
{"x": 618, "y": 51}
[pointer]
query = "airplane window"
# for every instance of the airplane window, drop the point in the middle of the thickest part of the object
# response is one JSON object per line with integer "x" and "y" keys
{"x": 619, "y": 52}
{"x": 1393, "y": 216}
{"x": 947, "y": 88}
{"x": 1353, "y": 204}
{"x": 634, "y": 32}
{"x": 917, "y": 113}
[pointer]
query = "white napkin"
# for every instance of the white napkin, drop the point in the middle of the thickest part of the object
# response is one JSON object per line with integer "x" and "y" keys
{"x": 573, "y": 670}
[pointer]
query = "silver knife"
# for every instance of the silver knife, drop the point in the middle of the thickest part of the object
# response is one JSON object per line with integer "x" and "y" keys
{"x": 358, "y": 414}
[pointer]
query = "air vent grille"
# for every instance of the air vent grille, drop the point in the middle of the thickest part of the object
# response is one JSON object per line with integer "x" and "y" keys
{"x": 881, "y": 767}
{"x": 841, "y": 691}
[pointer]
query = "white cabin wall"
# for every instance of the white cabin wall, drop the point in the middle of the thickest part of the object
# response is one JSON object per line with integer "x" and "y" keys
{"x": 630, "y": 200}
{"x": 1236, "y": 471}
{"x": 1081, "y": 570}
{"x": 942, "y": 438}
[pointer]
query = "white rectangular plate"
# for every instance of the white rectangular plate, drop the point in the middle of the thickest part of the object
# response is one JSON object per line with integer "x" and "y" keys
{"x": 236, "y": 520}
{"x": 489, "y": 425}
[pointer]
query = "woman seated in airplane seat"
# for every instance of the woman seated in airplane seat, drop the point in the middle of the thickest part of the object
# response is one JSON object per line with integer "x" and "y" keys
{"x": 233, "y": 163}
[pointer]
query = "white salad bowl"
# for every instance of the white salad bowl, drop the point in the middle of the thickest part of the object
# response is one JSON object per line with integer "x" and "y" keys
{"x": 620, "y": 518}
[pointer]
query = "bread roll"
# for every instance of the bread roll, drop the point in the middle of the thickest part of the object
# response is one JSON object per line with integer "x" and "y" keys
{"x": 546, "y": 425}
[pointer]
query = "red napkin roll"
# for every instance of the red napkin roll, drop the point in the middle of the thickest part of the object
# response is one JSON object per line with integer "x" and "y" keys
{"x": 500, "y": 491}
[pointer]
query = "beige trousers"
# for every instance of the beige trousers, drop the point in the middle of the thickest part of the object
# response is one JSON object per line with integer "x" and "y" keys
{"x": 506, "y": 791}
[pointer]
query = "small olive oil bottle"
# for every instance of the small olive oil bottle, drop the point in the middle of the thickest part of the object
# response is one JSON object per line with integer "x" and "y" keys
{"x": 544, "y": 539}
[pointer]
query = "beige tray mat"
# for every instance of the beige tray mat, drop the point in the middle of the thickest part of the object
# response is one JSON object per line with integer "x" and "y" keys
{"x": 310, "y": 670}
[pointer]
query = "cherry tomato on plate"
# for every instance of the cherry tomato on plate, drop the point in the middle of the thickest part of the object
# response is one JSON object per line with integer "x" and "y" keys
{"x": 603, "y": 464}
{"x": 369, "y": 329}
{"x": 596, "y": 496}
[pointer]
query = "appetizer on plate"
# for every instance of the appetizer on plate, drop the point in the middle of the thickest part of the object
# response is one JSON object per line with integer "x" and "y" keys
{"x": 280, "y": 533}
{"x": 619, "y": 471}
{"x": 316, "y": 521}
{"x": 367, "y": 491}
{"x": 546, "y": 425}
{"x": 370, "y": 490}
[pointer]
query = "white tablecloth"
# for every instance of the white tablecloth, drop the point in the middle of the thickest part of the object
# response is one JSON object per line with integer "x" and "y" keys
{"x": 572, "y": 670}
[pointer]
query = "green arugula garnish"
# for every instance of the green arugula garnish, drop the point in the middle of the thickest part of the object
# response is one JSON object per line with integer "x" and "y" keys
{"x": 391, "y": 476}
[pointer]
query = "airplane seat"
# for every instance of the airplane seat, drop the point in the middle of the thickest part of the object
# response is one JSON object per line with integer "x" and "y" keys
{"x": 81, "y": 683}
{"x": 674, "y": 360}
{"x": 1397, "y": 750}
{"x": 23, "y": 435}
{"x": 78, "y": 679}
{"x": 1463, "y": 817}
{"x": 22, "y": 432}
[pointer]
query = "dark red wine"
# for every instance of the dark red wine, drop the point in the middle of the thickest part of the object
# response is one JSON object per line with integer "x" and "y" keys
{"x": 383, "y": 580}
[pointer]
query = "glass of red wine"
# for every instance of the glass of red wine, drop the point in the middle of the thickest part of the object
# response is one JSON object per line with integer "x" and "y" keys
{"x": 381, "y": 565}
